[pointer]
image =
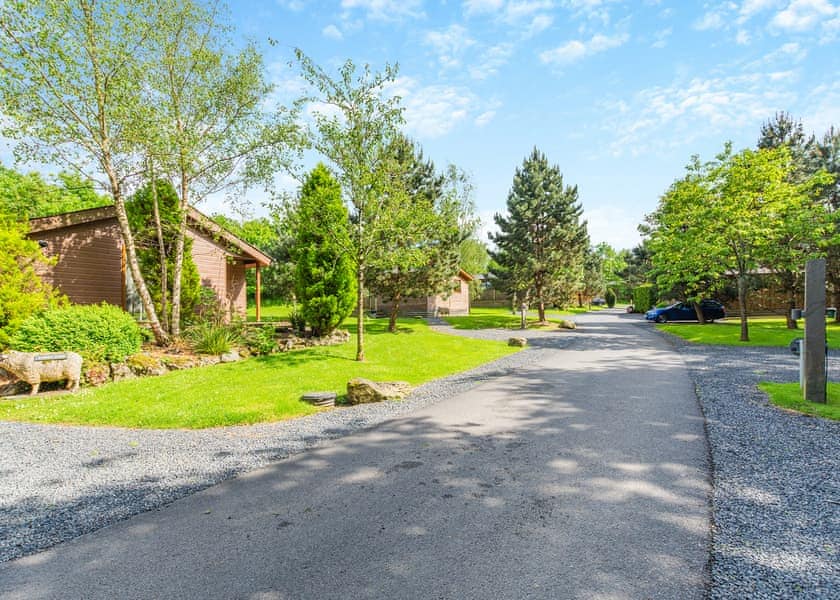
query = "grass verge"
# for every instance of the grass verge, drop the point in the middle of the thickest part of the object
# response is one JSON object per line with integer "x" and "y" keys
{"x": 270, "y": 312}
{"x": 261, "y": 389}
{"x": 788, "y": 395}
{"x": 764, "y": 331}
{"x": 502, "y": 318}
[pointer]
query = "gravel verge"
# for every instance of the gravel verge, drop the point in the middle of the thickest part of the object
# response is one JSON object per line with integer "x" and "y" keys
{"x": 776, "y": 501}
{"x": 59, "y": 482}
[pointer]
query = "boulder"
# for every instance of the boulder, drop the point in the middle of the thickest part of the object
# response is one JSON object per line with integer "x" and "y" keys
{"x": 145, "y": 364}
{"x": 565, "y": 324}
{"x": 229, "y": 357}
{"x": 121, "y": 371}
{"x": 96, "y": 374}
{"x": 518, "y": 342}
{"x": 362, "y": 391}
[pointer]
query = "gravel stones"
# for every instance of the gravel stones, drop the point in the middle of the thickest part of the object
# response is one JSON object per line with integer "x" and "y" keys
{"x": 776, "y": 478}
{"x": 59, "y": 482}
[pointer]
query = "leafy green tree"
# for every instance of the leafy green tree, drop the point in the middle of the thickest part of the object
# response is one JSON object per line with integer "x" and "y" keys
{"x": 727, "y": 217}
{"x": 72, "y": 76}
{"x": 355, "y": 134}
{"x": 475, "y": 260}
{"x": 593, "y": 282}
{"x": 542, "y": 241}
{"x": 208, "y": 123}
{"x": 29, "y": 195}
{"x": 273, "y": 237}
{"x": 154, "y": 214}
{"x": 324, "y": 279}
{"x": 826, "y": 156}
{"x": 613, "y": 265}
{"x": 22, "y": 292}
{"x": 424, "y": 259}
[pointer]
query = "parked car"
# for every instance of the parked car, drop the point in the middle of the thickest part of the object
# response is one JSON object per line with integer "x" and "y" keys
{"x": 684, "y": 311}
{"x": 598, "y": 302}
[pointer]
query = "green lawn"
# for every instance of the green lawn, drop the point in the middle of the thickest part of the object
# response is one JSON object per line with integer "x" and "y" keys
{"x": 271, "y": 312}
{"x": 764, "y": 331}
{"x": 788, "y": 395}
{"x": 502, "y": 318}
{"x": 261, "y": 389}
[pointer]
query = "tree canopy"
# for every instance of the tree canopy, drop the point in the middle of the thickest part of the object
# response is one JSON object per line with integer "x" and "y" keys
{"x": 541, "y": 241}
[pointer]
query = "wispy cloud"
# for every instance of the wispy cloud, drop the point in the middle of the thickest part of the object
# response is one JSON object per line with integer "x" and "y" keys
{"x": 332, "y": 32}
{"x": 490, "y": 61}
{"x": 804, "y": 15}
{"x": 713, "y": 19}
{"x": 386, "y": 10}
{"x": 575, "y": 50}
{"x": 293, "y": 5}
{"x": 434, "y": 110}
{"x": 449, "y": 44}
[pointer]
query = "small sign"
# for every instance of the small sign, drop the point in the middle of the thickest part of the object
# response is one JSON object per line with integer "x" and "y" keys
{"x": 51, "y": 356}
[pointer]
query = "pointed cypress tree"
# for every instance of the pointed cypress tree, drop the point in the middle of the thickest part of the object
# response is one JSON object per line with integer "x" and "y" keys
{"x": 325, "y": 280}
{"x": 542, "y": 241}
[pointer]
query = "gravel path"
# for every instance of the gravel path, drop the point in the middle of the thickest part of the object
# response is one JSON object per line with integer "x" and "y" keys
{"x": 59, "y": 482}
{"x": 776, "y": 478}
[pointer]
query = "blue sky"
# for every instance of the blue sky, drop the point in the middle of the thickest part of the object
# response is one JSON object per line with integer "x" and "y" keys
{"x": 618, "y": 94}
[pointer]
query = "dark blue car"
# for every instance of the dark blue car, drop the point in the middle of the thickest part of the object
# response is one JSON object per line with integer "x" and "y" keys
{"x": 684, "y": 311}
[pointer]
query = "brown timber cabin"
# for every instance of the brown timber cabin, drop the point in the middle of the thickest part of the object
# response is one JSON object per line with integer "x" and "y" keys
{"x": 456, "y": 302}
{"x": 91, "y": 259}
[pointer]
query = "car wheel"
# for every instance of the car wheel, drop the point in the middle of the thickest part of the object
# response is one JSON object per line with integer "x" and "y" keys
{"x": 661, "y": 319}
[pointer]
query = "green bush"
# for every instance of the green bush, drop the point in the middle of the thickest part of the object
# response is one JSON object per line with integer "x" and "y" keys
{"x": 260, "y": 340}
{"x": 99, "y": 332}
{"x": 644, "y": 297}
{"x": 610, "y": 298}
{"x": 212, "y": 338}
{"x": 298, "y": 321}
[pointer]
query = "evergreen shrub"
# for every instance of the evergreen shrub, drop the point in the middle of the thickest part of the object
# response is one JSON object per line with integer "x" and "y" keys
{"x": 610, "y": 298}
{"x": 99, "y": 332}
{"x": 644, "y": 297}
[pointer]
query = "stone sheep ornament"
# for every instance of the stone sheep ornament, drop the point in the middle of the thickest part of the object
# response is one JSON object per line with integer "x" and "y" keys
{"x": 34, "y": 368}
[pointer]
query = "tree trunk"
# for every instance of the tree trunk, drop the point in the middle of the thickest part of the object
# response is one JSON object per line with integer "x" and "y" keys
{"x": 161, "y": 337}
{"x": 742, "y": 306}
{"x": 541, "y": 311}
{"x": 177, "y": 269}
{"x": 164, "y": 268}
{"x": 791, "y": 323}
{"x": 360, "y": 314}
{"x": 698, "y": 310}
{"x": 580, "y": 300}
{"x": 392, "y": 321}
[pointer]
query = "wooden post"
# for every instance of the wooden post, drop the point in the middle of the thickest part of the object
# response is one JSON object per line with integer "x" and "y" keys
{"x": 258, "y": 293}
{"x": 814, "y": 349}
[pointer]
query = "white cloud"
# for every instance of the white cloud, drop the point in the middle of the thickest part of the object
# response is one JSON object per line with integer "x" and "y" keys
{"x": 293, "y": 5}
{"x": 710, "y": 20}
{"x": 539, "y": 24}
{"x": 332, "y": 32}
{"x": 484, "y": 118}
{"x": 435, "y": 110}
{"x": 742, "y": 38}
{"x": 661, "y": 38}
{"x": 478, "y": 7}
{"x": 574, "y": 50}
{"x": 665, "y": 117}
{"x": 449, "y": 44}
{"x": 490, "y": 61}
{"x": 750, "y": 8}
{"x": 803, "y": 15}
{"x": 523, "y": 9}
{"x": 387, "y": 10}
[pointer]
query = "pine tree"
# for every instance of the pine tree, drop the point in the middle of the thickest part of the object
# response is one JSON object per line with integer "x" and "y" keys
{"x": 542, "y": 241}
{"x": 325, "y": 281}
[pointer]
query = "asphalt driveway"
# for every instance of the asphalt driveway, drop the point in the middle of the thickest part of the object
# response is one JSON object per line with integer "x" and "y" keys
{"x": 583, "y": 475}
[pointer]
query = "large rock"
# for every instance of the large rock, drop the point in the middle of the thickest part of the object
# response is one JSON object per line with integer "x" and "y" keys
{"x": 519, "y": 342}
{"x": 566, "y": 324}
{"x": 230, "y": 357}
{"x": 121, "y": 372}
{"x": 362, "y": 391}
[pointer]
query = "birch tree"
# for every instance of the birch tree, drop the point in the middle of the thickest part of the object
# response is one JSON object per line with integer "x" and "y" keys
{"x": 71, "y": 74}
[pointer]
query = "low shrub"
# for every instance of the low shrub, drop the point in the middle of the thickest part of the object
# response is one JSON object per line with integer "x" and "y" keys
{"x": 298, "y": 321}
{"x": 212, "y": 338}
{"x": 99, "y": 332}
{"x": 260, "y": 340}
{"x": 610, "y": 298}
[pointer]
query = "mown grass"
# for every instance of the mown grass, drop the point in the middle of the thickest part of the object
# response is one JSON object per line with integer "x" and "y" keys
{"x": 261, "y": 389}
{"x": 788, "y": 395}
{"x": 270, "y": 312}
{"x": 763, "y": 331}
{"x": 502, "y": 318}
